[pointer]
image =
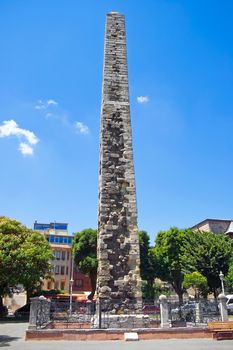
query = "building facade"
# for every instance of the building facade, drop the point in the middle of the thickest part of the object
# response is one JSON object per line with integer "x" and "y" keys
{"x": 62, "y": 271}
{"x": 216, "y": 226}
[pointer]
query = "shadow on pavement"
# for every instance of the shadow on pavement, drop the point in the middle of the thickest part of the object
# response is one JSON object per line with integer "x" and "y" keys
{"x": 6, "y": 339}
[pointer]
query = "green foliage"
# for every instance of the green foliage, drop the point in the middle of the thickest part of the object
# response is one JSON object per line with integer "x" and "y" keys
{"x": 85, "y": 254}
{"x": 229, "y": 278}
{"x": 152, "y": 292}
{"x": 207, "y": 253}
{"x": 167, "y": 256}
{"x": 148, "y": 292}
{"x": 24, "y": 256}
{"x": 198, "y": 282}
{"x": 181, "y": 252}
{"x": 146, "y": 258}
{"x": 160, "y": 288}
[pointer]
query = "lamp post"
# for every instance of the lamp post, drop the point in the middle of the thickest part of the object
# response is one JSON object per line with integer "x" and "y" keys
{"x": 221, "y": 276}
{"x": 71, "y": 284}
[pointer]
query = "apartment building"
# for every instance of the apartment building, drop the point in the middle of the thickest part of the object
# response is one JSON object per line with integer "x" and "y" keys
{"x": 61, "y": 244}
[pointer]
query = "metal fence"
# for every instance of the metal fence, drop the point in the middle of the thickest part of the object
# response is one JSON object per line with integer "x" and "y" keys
{"x": 78, "y": 313}
{"x": 107, "y": 316}
{"x": 58, "y": 313}
{"x": 193, "y": 313}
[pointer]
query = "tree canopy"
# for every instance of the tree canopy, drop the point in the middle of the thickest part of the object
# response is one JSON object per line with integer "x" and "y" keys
{"x": 207, "y": 253}
{"x": 198, "y": 282}
{"x": 229, "y": 278}
{"x": 167, "y": 256}
{"x": 24, "y": 256}
{"x": 147, "y": 266}
{"x": 180, "y": 252}
{"x": 85, "y": 255}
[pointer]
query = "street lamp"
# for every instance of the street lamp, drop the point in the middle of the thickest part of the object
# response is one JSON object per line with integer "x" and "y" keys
{"x": 71, "y": 284}
{"x": 221, "y": 276}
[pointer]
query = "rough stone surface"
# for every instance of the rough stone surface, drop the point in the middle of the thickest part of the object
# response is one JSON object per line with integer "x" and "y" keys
{"x": 122, "y": 321}
{"x": 118, "y": 246}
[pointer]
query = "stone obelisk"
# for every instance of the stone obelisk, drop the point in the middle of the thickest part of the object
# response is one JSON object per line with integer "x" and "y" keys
{"x": 118, "y": 279}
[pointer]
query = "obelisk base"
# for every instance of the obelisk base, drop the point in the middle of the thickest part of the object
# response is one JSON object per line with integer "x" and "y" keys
{"x": 121, "y": 321}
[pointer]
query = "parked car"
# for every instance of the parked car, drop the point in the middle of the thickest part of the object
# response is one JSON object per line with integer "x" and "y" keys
{"x": 151, "y": 309}
{"x": 229, "y": 303}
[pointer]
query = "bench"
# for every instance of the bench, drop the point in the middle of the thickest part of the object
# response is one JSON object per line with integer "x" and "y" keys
{"x": 221, "y": 330}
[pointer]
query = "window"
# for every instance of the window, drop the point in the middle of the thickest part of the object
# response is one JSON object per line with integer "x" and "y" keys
{"x": 58, "y": 255}
{"x": 62, "y": 285}
{"x": 68, "y": 255}
{"x": 57, "y": 269}
{"x": 67, "y": 270}
{"x": 63, "y": 255}
{"x": 62, "y": 270}
{"x": 50, "y": 239}
{"x": 79, "y": 283}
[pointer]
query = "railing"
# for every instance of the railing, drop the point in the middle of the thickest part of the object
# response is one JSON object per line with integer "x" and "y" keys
{"x": 107, "y": 314}
{"x": 127, "y": 316}
{"x": 81, "y": 313}
{"x": 57, "y": 314}
{"x": 193, "y": 313}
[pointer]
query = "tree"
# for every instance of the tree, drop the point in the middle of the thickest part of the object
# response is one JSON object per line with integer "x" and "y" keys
{"x": 24, "y": 256}
{"x": 198, "y": 282}
{"x": 229, "y": 277}
{"x": 207, "y": 253}
{"x": 167, "y": 256}
{"x": 154, "y": 291}
{"x": 36, "y": 254}
{"x": 85, "y": 255}
{"x": 146, "y": 259}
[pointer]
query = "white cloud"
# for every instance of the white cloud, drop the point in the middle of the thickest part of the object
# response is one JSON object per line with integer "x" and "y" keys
{"x": 10, "y": 128}
{"x": 25, "y": 149}
{"x": 52, "y": 102}
{"x": 142, "y": 99}
{"x": 40, "y": 105}
{"x": 45, "y": 104}
{"x": 82, "y": 128}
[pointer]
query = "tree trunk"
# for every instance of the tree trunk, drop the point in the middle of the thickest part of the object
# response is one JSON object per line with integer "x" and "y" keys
{"x": 215, "y": 294}
{"x": 93, "y": 286}
{"x": 28, "y": 295}
{"x": 179, "y": 292}
{"x": 1, "y": 301}
{"x": 180, "y": 296}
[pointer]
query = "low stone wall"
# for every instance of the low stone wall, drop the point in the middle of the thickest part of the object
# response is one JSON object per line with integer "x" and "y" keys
{"x": 69, "y": 325}
{"x": 117, "y": 334}
{"x": 121, "y": 321}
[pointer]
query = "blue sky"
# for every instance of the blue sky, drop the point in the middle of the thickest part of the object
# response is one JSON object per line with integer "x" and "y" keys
{"x": 180, "y": 57}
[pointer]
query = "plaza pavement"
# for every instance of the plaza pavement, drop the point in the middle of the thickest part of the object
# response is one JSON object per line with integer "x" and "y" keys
{"x": 12, "y": 337}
